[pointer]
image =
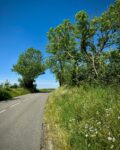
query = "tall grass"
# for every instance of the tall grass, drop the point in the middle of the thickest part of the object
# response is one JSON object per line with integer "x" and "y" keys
{"x": 85, "y": 118}
{"x": 4, "y": 94}
{"x": 18, "y": 91}
{"x": 8, "y": 93}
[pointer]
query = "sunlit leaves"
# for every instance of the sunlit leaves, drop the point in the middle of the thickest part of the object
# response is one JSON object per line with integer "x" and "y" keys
{"x": 30, "y": 64}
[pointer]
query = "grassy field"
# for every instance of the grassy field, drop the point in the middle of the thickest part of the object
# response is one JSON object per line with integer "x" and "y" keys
{"x": 46, "y": 90}
{"x": 85, "y": 118}
{"x": 12, "y": 92}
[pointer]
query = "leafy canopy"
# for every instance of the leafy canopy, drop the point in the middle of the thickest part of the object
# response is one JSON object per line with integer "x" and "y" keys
{"x": 82, "y": 51}
{"x": 30, "y": 64}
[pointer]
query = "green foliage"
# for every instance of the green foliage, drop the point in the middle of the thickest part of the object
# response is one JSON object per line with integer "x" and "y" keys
{"x": 85, "y": 118}
{"x": 6, "y": 85}
{"x": 85, "y": 53}
{"x": 17, "y": 92}
{"x": 8, "y": 93}
{"x": 46, "y": 90}
{"x": 29, "y": 66}
{"x": 61, "y": 47}
{"x": 80, "y": 52}
{"x": 15, "y": 85}
{"x": 4, "y": 94}
{"x": 113, "y": 70}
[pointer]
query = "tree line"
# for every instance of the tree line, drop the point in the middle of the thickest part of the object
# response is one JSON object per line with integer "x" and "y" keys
{"x": 86, "y": 51}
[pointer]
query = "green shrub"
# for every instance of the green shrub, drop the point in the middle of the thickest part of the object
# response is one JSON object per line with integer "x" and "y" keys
{"x": 15, "y": 85}
{"x": 12, "y": 92}
{"x": 4, "y": 94}
{"x": 18, "y": 91}
{"x": 85, "y": 118}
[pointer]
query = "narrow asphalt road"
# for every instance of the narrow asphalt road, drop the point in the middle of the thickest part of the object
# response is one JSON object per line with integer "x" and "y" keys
{"x": 21, "y": 121}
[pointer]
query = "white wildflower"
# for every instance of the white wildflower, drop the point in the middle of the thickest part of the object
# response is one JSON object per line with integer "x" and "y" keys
{"x": 72, "y": 120}
{"x": 95, "y": 129}
{"x": 96, "y": 132}
{"x": 97, "y": 112}
{"x": 118, "y": 117}
{"x": 91, "y": 128}
{"x": 109, "y": 138}
{"x": 113, "y": 139}
{"x": 86, "y": 126}
{"x": 112, "y": 146}
{"x": 98, "y": 123}
{"x": 86, "y": 135}
{"x": 107, "y": 115}
{"x": 93, "y": 135}
{"x": 89, "y": 145}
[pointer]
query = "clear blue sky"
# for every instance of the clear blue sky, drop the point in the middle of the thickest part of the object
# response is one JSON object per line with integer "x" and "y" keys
{"x": 24, "y": 24}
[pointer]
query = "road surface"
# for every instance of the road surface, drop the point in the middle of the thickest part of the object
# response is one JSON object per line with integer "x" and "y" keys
{"x": 21, "y": 121}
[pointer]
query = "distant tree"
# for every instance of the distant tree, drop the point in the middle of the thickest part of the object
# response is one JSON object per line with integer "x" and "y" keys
{"x": 29, "y": 66}
{"x": 1, "y": 85}
{"x": 15, "y": 85}
{"x": 6, "y": 84}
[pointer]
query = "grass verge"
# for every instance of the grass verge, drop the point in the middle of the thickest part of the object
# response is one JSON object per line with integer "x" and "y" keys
{"x": 46, "y": 90}
{"x": 12, "y": 92}
{"x": 85, "y": 118}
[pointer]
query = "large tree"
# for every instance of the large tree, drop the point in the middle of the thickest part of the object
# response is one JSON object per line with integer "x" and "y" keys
{"x": 29, "y": 66}
{"x": 97, "y": 36}
{"x": 61, "y": 48}
{"x": 81, "y": 51}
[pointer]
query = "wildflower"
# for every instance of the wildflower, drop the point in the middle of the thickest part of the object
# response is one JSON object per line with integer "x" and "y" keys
{"x": 93, "y": 135}
{"x": 118, "y": 117}
{"x": 89, "y": 145}
{"x": 86, "y": 126}
{"x": 109, "y": 138}
{"x": 86, "y": 135}
{"x": 97, "y": 112}
{"x": 112, "y": 146}
{"x": 113, "y": 139}
{"x": 91, "y": 128}
{"x": 95, "y": 129}
{"x": 71, "y": 120}
{"x": 107, "y": 115}
{"x": 98, "y": 123}
{"x": 96, "y": 132}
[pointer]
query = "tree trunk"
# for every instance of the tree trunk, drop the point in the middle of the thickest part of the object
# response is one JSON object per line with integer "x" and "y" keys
{"x": 29, "y": 84}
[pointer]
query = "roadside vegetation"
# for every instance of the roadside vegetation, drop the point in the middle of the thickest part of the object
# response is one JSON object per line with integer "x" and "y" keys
{"x": 87, "y": 50}
{"x": 84, "y": 56}
{"x": 84, "y": 118}
{"x": 84, "y": 113}
{"x": 46, "y": 90}
{"x": 8, "y": 91}
{"x": 29, "y": 66}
